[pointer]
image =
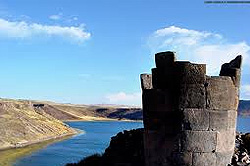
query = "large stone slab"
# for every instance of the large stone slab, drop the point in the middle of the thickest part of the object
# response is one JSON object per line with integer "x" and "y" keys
{"x": 168, "y": 123}
{"x": 163, "y": 78}
{"x": 204, "y": 159}
{"x": 221, "y": 93}
{"x": 195, "y": 119}
{"x": 146, "y": 81}
{"x": 158, "y": 100}
{"x": 218, "y": 120}
{"x": 158, "y": 148}
{"x": 192, "y": 96}
{"x": 189, "y": 73}
{"x": 222, "y": 119}
{"x": 199, "y": 141}
{"x": 225, "y": 141}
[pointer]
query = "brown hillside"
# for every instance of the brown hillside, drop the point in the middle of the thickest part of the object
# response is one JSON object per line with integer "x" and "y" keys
{"x": 21, "y": 124}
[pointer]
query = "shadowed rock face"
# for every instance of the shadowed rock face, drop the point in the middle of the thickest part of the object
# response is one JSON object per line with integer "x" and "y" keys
{"x": 189, "y": 117}
{"x": 233, "y": 70}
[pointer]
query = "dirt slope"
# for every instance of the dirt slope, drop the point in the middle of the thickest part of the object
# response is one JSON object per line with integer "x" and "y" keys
{"x": 21, "y": 124}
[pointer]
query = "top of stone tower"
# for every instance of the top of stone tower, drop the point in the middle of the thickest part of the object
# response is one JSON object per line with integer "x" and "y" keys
{"x": 163, "y": 59}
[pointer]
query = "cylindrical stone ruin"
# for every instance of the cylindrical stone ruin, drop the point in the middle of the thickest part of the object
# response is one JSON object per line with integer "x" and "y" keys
{"x": 189, "y": 118}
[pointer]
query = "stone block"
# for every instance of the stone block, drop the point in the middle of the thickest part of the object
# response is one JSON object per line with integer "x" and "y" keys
{"x": 204, "y": 159}
{"x": 146, "y": 81}
{"x": 225, "y": 140}
{"x": 221, "y": 93}
{"x": 223, "y": 159}
{"x": 189, "y": 73}
{"x": 163, "y": 78}
{"x": 168, "y": 123}
{"x": 182, "y": 158}
{"x": 199, "y": 141}
{"x": 155, "y": 121}
{"x": 218, "y": 120}
{"x": 192, "y": 96}
{"x": 157, "y": 100}
{"x": 164, "y": 59}
{"x": 158, "y": 147}
{"x": 222, "y": 119}
{"x": 195, "y": 119}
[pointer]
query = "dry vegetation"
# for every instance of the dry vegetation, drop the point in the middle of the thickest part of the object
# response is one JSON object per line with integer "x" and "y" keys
{"x": 21, "y": 124}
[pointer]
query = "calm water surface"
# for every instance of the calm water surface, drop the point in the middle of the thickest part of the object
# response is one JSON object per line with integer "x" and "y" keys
{"x": 95, "y": 140}
{"x": 243, "y": 124}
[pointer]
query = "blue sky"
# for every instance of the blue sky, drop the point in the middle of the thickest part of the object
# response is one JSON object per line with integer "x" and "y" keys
{"x": 93, "y": 51}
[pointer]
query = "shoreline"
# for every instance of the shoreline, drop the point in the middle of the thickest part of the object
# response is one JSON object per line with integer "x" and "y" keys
{"x": 23, "y": 145}
{"x": 76, "y": 132}
{"x": 9, "y": 155}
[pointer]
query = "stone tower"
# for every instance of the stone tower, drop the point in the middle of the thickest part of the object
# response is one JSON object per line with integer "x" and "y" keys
{"x": 189, "y": 118}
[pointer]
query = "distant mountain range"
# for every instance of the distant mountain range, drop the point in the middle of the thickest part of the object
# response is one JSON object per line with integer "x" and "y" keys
{"x": 244, "y": 108}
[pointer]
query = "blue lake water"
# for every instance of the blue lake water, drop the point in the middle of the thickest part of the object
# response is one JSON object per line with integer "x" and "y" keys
{"x": 243, "y": 124}
{"x": 95, "y": 140}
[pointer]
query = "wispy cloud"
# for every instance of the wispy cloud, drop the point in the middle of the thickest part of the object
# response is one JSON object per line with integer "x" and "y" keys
{"x": 124, "y": 98}
{"x": 61, "y": 17}
{"x": 198, "y": 46}
{"x": 22, "y": 29}
{"x": 55, "y": 17}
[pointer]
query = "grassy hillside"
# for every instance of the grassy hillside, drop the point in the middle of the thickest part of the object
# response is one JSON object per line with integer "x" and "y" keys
{"x": 22, "y": 124}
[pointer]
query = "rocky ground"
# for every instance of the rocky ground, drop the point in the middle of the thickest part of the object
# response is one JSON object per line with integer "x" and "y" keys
{"x": 242, "y": 150}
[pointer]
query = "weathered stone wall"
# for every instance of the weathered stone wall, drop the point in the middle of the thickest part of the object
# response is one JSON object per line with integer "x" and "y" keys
{"x": 189, "y": 118}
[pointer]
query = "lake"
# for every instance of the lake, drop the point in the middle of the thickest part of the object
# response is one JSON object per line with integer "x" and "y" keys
{"x": 95, "y": 139}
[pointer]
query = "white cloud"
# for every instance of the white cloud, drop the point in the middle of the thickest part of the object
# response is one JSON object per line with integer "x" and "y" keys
{"x": 245, "y": 92}
{"x": 22, "y": 29}
{"x": 198, "y": 46}
{"x": 55, "y": 17}
{"x": 124, "y": 98}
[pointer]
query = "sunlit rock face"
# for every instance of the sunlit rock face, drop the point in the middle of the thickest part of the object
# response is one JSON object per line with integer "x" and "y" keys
{"x": 189, "y": 117}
